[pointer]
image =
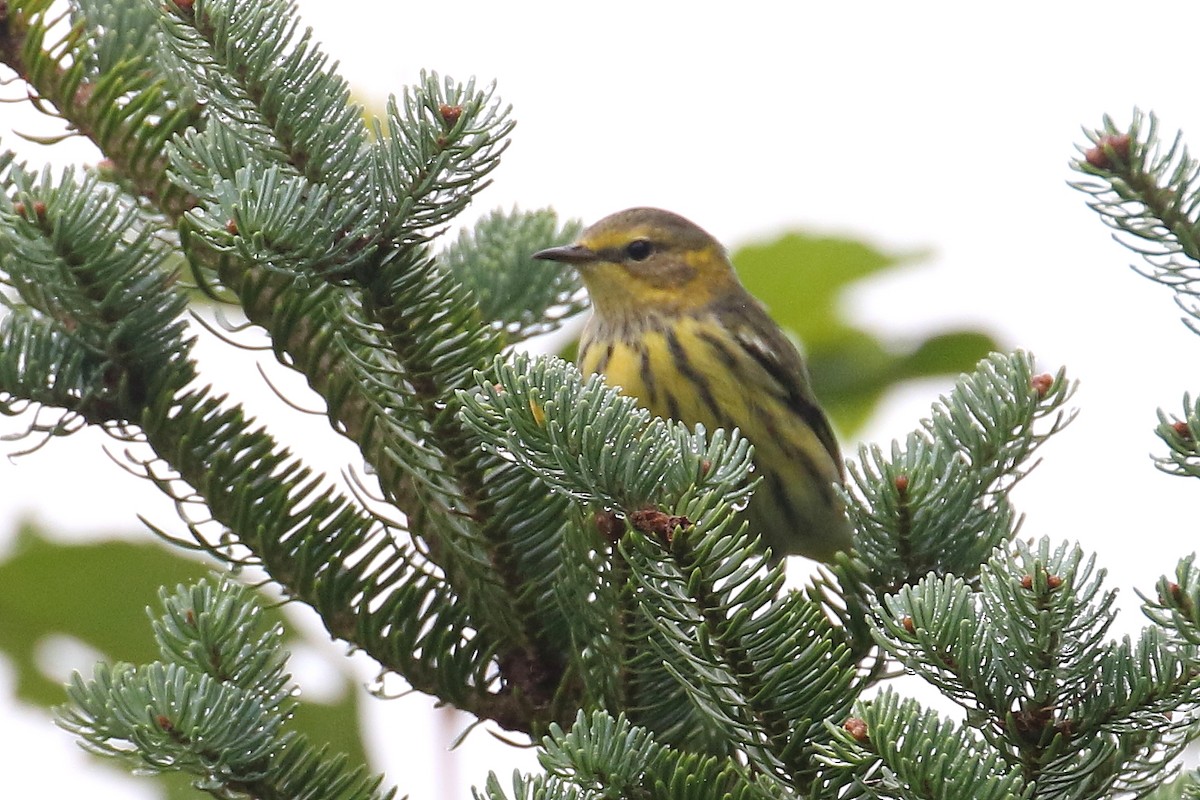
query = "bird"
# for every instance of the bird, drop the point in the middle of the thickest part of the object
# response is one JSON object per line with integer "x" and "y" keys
{"x": 673, "y": 327}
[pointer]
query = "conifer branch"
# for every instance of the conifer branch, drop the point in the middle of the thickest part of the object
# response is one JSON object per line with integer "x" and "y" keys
{"x": 215, "y": 707}
{"x": 103, "y": 87}
{"x": 355, "y": 375}
{"x": 939, "y": 502}
{"x": 893, "y": 748}
{"x": 1025, "y": 654}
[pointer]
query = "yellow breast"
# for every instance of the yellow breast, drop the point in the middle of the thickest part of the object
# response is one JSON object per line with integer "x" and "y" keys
{"x": 693, "y": 371}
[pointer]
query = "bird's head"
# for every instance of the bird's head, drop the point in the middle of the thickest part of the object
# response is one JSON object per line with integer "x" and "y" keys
{"x": 645, "y": 260}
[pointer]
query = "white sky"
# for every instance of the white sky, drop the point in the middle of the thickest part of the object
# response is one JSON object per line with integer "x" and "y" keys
{"x": 935, "y": 125}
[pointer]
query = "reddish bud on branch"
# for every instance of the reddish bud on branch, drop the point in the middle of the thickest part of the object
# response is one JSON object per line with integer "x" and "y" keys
{"x": 1042, "y": 383}
{"x": 609, "y": 526}
{"x": 1106, "y": 147}
{"x": 857, "y": 728}
{"x": 658, "y": 523}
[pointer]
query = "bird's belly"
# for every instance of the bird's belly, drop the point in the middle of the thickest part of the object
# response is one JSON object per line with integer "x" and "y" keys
{"x": 647, "y": 370}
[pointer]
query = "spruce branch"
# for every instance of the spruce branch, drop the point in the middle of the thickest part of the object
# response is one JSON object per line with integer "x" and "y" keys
{"x": 520, "y": 410}
{"x": 1176, "y": 604}
{"x": 97, "y": 78}
{"x": 768, "y": 670}
{"x": 1025, "y": 653}
{"x": 109, "y": 315}
{"x": 1149, "y": 193}
{"x": 603, "y": 756}
{"x": 938, "y": 502}
{"x": 120, "y": 326}
{"x": 893, "y": 748}
{"x": 216, "y": 706}
{"x": 441, "y": 142}
{"x": 523, "y": 295}
{"x": 391, "y": 407}
{"x": 435, "y": 156}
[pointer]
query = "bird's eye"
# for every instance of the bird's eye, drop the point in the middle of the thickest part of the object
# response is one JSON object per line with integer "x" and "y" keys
{"x": 639, "y": 249}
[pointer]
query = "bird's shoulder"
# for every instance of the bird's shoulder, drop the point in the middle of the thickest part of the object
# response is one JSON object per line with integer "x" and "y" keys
{"x": 759, "y": 337}
{"x": 780, "y": 368}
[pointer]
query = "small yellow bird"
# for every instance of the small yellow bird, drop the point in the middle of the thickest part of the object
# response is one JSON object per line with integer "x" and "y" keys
{"x": 673, "y": 327}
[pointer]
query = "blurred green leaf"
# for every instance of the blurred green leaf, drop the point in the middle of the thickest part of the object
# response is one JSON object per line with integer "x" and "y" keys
{"x": 937, "y": 354}
{"x": 802, "y": 279}
{"x": 97, "y": 593}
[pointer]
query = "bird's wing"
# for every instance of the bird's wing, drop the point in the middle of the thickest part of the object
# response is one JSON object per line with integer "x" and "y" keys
{"x": 772, "y": 350}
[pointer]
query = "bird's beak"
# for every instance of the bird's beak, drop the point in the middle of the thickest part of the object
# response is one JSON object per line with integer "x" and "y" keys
{"x": 569, "y": 254}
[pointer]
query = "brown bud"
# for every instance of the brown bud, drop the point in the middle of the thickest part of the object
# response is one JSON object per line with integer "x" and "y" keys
{"x": 190, "y": 617}
{"x": 658, "y": 523}
{"x": 231, "y": 227}
{"x": 39, "y": 208}
{"x": 164, "y": 723}
{"x": 901, "y": 484}
{"x": 19, "y": 209}
{"x": 1054, "y": 581}
{"x": 1042, "y": 383}
{"x": 1107, "y": 146}
{"x": 1027, "y": 582}
{"x": 83, "y": 93}
{"x": 450, "y": 114}
{"x": 609, "y": 526}
{"x": 1182, "y": 430}
{"x": 705, "y": 466}
{"x": 857, "y": 728}
{"x": 908, "y": 625}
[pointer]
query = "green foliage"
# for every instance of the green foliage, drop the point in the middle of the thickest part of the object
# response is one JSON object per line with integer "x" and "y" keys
{"x": 214, "y": 707}
{"x": 912, "y": 752}
{"x": 125, "y": 576}
{"x": 525, "y": 295}
{"x": 939, "y": 502}
{"x": 1026, "y": 655}
{"x": 974, "y": 447}
{"x": 1184, "y": 787}
{"x": 605, "y": 757}
{"x": 521, "y": 412}
{"x": 851, "y": 367}
{"x": 695, "y": 580}
{"x": 1147, "y": 192}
